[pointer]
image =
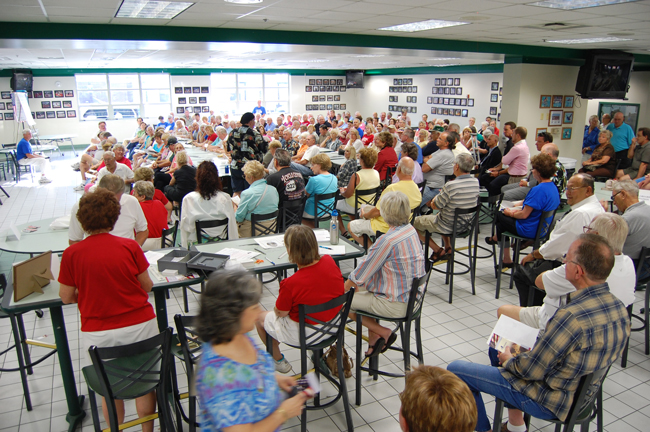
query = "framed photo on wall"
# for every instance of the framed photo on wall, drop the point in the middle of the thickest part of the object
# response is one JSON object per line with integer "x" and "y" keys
{"x": 203, "y": 99}
{"x": 566, "y": 133}
{"x": 335, "y": 88}
{"x": 71, "y": 113}
{"x": 59, "y": 93}
{"x": 433, "y": 110}
{"x": 330, "y": 98}
{"x": 205, "y": 109}
{"x": 463, "y": 102}
{"x": 187, "y": 90}
{"x": 308, "y": 89}
{"x": 67, "y": 104}
{"x": 38, "y": 94}
{"x": 337, "y": 98}
{"x": 314, "y": 98}
{"x": 568, "y": 101}
{"x": 56, "y": 104}
{"x": 463, "y": 113}
{"x": 342, "y": 90}
{"x": 545, "y": 101}
{"x": 193, "y": 100}
{"x": 456, "y": 81}
{"x": 60, "y": 114}
{"x": 180, "y": 110}
{"x": 205, "y": 89}
{"x": 470, "y": 102}
{"x": 539, "y": 131}
{"x": 459, "y": 91}
{"x": 344, "y": 106}
{"x": 2, "y": 105}
{"x": 495, "y": 86}
{"x": 182, "y": 100}
{"x": 568, "y": 117}
{"x": 196, "y": 89}
{"x": 178, "y": 90}
{"x": 46, "y": 104}
{"x": 555, "y": 118}
{"x": 40, "y": 115}
{"x": 48, "y": 94}
{"x": 9, "y": 116}
{"x": 336, "y": 107}
{"x": 312, "y": 82}
{"x": 494, "y": 97}
{"x": 339, "y": 82}
{"x": 493, "y": 110}
{"x": 436, "y": 82}
{"x": 557, "y": 101}
{"x": 50, "y": 114}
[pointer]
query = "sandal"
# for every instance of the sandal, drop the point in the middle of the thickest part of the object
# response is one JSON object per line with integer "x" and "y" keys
{"x": 377, "y": 347}
{"x": 437, "y": 256}
{"x": 489, "y": 241}
{"x": 391, "y": 340}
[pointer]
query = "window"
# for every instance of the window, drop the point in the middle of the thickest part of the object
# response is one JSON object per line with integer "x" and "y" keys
{"x": 236, "y": 94}
{"x": 122, "y": 96}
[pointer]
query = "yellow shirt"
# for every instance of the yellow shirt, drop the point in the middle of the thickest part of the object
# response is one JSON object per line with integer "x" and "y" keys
{"x": 408, "y": 188}
{"x": 368, "y": 179}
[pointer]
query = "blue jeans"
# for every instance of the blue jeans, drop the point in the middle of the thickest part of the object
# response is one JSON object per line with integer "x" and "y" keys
{"x": 428, "y": 195}
{"x": 302, "y": 169}
{"x": 487, "y": 379}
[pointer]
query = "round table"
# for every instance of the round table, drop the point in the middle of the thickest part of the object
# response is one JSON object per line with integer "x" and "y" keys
{"x": 42, "y": 240}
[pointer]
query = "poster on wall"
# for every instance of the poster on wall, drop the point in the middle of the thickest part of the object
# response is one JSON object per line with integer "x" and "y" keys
{"x": 557, "y": 101}
{"x": 555, "y": 118}
{"x": 180, "y": 110}
{"x": 495, "y": 86}
{"x": 196, "y": 89}
{"x": 60, "y": 114}
{"x": 182, "y": 100}
{"x": 203, "y": 100}
{"x": 193, "y": 100}
{"x": 205, "y": 109}
{"x": 187, "y": 90}
{"x": 178, "y": 90}
{"x": 59, "y": 93}
{"x": 56, "y": 104}
{"x": 205, "y": 89}
{"x": 493, "y": 110}
{"x": 566, "y": 133}
{"x": 46, "y": 104}
{"x": 40, "y": 115}
{"x": 6, "y": 95}
{"x": 9, "y": 116}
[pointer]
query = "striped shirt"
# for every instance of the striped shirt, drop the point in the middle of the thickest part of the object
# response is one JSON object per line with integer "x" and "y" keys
{"x": 585, "y": 336}
{"x": 392, "y": 263}
{"x": 460, "y": 193}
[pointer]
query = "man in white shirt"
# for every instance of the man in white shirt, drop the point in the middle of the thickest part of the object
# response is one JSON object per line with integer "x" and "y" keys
{"x": 113, "y": 167}
{"x": 584, "y": 207}
{"x": 130, "y": 224}
{"x": 304, "y": 165}
{"x": 621, "y": 280}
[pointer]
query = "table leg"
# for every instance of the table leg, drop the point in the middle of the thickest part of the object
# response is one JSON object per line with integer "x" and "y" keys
{"x": 161, "y": 309}
{"x": 20, "y": 344}
{"x": 75, "y": 402}
{"x": 72, "y": 145}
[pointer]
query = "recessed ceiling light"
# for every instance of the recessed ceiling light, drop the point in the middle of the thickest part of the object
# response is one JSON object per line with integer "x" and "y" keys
{"x": 370, "y": 55}
{"x": 243, "y": 1}
{"x": 577, "y": 4}
{"x": 151, "y": 9}
{"x": 423, "y": 25}
{"x": 588, "y": 40}
{"x": 444, "y": 58}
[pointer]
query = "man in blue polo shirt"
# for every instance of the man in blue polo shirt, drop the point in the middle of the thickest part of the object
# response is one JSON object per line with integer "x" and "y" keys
{"x": 622, "y": 136}
{"x": 26, "y": 156}
{"x": 259, "y": 109}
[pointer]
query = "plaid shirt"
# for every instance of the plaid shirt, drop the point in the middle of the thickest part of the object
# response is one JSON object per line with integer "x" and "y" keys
{"x": 391, "y": 264}
{"x": 345, "y": 173}
{"x": 584, "y": 336}
{"x": 244, "y": 145}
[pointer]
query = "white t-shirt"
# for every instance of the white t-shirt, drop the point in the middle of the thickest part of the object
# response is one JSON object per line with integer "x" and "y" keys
{"x": 310, "y": 153}
{"x": 131, "y": 218}
{"x": 621, "y": 281}
{"x": 358, "y": 145}
{"x": 196, "y": 208}
{"x": 121, "y": 170}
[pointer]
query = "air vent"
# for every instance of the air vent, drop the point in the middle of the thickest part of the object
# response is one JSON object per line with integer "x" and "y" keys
{"x": 555, "y": 26}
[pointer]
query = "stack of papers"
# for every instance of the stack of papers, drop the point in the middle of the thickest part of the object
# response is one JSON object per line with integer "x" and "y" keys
{"x": 331, "y": 250}
{"x": 153, "y": 257}
{"x": 239, "y": 255}
{"x": 322, "y": 235}
{"x": 513, "y": 335}
{"x": 271, "y": 242}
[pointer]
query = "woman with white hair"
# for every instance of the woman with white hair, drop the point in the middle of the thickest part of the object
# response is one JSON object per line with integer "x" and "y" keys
{"x": 590, "y": 140}
{"x": 259, "y": 198}
{"x": 180, "y": 131}
{"x": 603, "y": 159}
{"x": 383, "y": 278}
{"x": 354, "y": 140}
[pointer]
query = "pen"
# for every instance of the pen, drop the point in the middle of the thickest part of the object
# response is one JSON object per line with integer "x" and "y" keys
{"x": 282, "y": 256}
{"x": 259, "y": 251}
{"x": 270, "y": 261}
{"x": 324, "y": 247}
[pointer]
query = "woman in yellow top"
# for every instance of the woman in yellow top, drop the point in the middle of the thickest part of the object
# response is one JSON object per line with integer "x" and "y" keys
{"x": 366, "y": 178}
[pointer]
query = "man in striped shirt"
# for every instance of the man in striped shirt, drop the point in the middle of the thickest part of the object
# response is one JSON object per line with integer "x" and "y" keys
{"x": 384, "y": 277}
{"x": 460, "y": 193}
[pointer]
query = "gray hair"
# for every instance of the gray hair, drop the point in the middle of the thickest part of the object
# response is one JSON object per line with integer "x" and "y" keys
{"x": 484, "y": 125}
{"x": 629, "y": 186}
{"x": 586, "y": 180}
{"x": 109, "y": 153}
{"x": 181, "y": 157}
{"x": 607, "y": 133}
{"x": 395, "y": 208}
{"x": 283, "y": 157}
{"x": 613, "y": 227}
{"x": 409, "y": 133}
{"x": 591, "y": 117}
{"x": 116, "y": 146}
{"x": 144, "y": 188}
{"x": 26, "y": 131}
{"x": 486, "y": 134}
{"x": 112, "y": 182}
{"x": 465, "y": 162}
{"x": 406, "y": 170}
{"x": 221, "y": 129}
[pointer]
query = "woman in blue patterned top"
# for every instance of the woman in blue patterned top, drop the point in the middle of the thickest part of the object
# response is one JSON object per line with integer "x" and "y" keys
{"x": 236, "y": 383}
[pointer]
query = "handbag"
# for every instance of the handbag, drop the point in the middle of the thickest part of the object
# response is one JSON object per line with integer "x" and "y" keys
{"x": 330, "y": 360}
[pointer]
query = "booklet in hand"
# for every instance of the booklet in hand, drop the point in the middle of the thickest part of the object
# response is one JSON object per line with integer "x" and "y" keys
{"x": 512, "y": 334}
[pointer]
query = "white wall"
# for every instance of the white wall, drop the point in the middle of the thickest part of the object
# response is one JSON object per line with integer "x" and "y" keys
{"x": 639, "y": 94}
{"x": 192, "y": 81}
{"x": 524, "y": 84}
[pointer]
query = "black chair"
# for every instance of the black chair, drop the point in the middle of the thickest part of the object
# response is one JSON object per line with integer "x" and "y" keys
{"x": 321, "y": 209}
{"x": 422, "y": 185}
{"x": 128, "y": 372}
{"x": 259, "y": 229}
{"x": 388, "y": 180}
{"x": 291, "y": 214}
{"x": 364, "y": 197}
{"x": 201, "y": 226}
{"x": 25, "y": 364}
{"x": 642, "y": 280}
{"x": 543, "y": 230}
{"x": 323, "y": 335}
{"x": 587, "y": 405}
{"x": 489, "y": 207}
{"x": 18, "y": 167}
{"x": 413, "y": 315}
{"x": 187, "y": 348}
{"x": 168, "y": 238}
{"x": 465, "y": 226}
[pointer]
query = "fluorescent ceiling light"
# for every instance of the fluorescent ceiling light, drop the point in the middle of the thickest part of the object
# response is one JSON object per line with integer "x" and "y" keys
{"x": 576, "y": 4}
{"x": 243, "y": 1}
{"x": 445, "y": 65}
{"x": 151, "y": 9}
{"x": 444, "y": 58}
{"x": 589, "y": 40}
{"x": 423, "y": 25}
{"x": 369, "y": 55}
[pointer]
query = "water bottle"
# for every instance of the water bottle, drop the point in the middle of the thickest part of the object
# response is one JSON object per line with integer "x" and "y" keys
{"x": 334, "y": 228}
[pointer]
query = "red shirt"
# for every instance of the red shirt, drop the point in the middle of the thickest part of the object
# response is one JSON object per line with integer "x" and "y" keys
{"x": 213, "y": 137}
{"x": 156, "y": 215}
{"x": 104, "y": 268}
{"x": 124, "y": 161}
{"x": 367, "y": 139}
{"x": 496, "y": 130}
{"x": 385, "y": 158}
{"x": 311, "y": 286}
{"x": 160, "y": 196}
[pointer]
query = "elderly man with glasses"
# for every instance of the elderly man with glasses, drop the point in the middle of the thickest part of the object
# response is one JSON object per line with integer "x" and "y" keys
{"x": 584, "y": 207}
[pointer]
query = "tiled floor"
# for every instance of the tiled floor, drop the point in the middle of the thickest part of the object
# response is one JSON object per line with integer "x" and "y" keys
{"x": 450, "y": 331}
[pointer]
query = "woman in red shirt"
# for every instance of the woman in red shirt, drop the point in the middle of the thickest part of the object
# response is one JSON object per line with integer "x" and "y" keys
{"x": 386, "y": 157}
{"x": 119, "y": 151}
{"x": 154, "y": 211}
{"x": 318, "y": 280}
{"x": 113, "y": 298}
{"x": 369, "y": 135}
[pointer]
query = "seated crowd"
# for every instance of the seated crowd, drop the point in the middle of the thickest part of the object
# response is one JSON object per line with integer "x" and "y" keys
{"x": 394, "y": 184}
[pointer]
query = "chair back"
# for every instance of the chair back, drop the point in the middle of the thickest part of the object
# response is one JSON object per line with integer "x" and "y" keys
{"x": 201, "y": 226}
{"x": 324, "y": 333}
{"x": 388, "y": 180}
{"x": 544, "y": 227}
{"x": 415, "y": 213}
{"x": 366, "y": 197}
{"x": 168, "y": 238}
{"x": 3, "y": 286}
{"x": 322, "y": 209}
{"x": 465, "y": 221}
{"x": 133, "y": 370}
{"x": 257, "y": 228}
{"x": 189, "y": 342}
{"x": 416, "y": 296}
{"x": 643, "y": 267}
{"x": 585, "y": 396}
{"x": 9, "y": 146}
{"x": 291, "y": 213}
{"x": 422, "y": 185}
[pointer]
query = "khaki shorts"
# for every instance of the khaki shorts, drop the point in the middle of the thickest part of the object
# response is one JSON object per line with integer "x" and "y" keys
{"x": 361, "y": 226}
{"x": 530, "y": 316}
{"x": 427, "y": 223}
{"x": 367, "y": 302}
{"x": 246, "y": 227}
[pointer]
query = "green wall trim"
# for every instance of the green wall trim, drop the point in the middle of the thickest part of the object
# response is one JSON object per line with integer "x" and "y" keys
{"x": 197, "y": 72}
{"x": 543, "y": 61}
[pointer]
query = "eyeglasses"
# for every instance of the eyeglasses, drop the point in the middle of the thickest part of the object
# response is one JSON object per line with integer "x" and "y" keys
{"x": 587, "y": 229}
{"x": 566, "y": 261}
{"x": 614, "y": 195}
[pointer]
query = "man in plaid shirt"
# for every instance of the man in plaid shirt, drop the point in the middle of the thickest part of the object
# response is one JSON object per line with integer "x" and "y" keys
{"x": 243, "y": 145}
{"x": 586, "y": 335}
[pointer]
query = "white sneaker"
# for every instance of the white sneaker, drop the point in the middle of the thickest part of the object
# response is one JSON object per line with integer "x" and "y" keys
{"x": 80, "y": 187}
{"x": 282, "y": 366}
{"x": 44, "y": 180}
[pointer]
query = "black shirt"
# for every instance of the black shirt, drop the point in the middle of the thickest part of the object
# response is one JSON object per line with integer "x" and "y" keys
{"x": 185, "y": 179}
{"x": 289, "y": 183}
{"x": 430, "y": 148}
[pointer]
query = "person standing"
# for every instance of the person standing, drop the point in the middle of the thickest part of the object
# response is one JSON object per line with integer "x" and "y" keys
{"x": 259, "y": 109}
{"x": 622, "y": 136}
{"x": 244, "y": 144}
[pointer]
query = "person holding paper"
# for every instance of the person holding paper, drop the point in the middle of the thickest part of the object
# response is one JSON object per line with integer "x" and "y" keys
{"x": 317, "y": 280}
{"x": 113, "y": 299}
{"x": 584, "y": 336}
{"x": 26, "y": 156}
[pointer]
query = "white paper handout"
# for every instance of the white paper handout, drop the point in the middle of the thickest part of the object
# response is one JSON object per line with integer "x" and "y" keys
{"x": 239, "y": 255}
{"x": 271, "y": 242}
{"x": 153, "y": 257}
{"x": 331, "y": 250}
{"x": 322, "y": 235}
{"x": 509, "y": 332}
{"x": 509, "y": 204}
{"x": 644, "y": 195}
{"x": 236, "y": 199}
